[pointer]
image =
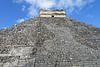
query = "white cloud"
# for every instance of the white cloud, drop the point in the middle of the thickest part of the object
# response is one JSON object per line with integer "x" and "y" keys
{"x": 45, "y": 3}
{"x": 18, "y": 1}
{"x": 20, "y": 20}
{"x": 23, "y": 8}
{"x": 32, "y": 12}
{"x": 69, "y": 5}
{"x": 90, "y": 16}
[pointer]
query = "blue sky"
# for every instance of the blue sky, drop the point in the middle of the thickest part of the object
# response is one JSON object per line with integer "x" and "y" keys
{"x": 14, "y": 11}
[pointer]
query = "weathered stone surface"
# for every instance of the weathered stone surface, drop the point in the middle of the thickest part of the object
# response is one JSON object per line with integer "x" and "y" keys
{"x": 50, "y": 42}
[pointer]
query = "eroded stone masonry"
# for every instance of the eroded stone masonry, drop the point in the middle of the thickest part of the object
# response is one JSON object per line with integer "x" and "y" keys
{"x": 50, "y": 42}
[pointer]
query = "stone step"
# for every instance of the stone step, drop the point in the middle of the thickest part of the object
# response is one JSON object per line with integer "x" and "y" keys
{"x": 18, "y": 66}
{"x": 16, "y": 50}
{"x": 1, "y": 64}
{"x": 14, "y": 58}
{"x": 4, "y": 59}
{"x": 3, "y": 55}
{"x": 94, "y": 62}
{"x": 26, "y": 61}
{"x": 18, "y": 61}
{"x": 23, "y": 62}
{"x": 20, "y": 57}
{"x": 19, "y": 45}
{"x": 26, "y": 25}
{"x": 4, "y": 50}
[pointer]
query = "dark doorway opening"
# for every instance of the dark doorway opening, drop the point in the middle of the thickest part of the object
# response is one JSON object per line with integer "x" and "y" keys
{"x": 52, "y": 15}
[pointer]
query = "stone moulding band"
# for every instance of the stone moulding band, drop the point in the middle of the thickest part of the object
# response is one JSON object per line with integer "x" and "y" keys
{"x": 52, "y": 10}
{"x": 52, "y": 13}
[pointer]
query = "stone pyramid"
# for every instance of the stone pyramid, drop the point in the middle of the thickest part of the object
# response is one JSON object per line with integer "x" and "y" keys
{"x": 50, "y": 42}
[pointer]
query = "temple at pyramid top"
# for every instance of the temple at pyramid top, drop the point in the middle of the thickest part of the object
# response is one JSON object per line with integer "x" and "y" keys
{"x": 52, "y": 13}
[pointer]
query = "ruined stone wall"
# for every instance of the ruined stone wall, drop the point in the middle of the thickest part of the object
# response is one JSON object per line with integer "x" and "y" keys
{"x": 50, "y": 42}
{"x": 45, "y": 16}
{"x": 50, "y": 13}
